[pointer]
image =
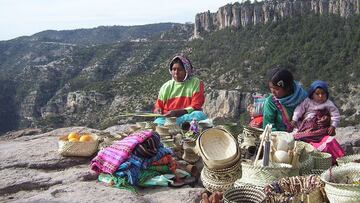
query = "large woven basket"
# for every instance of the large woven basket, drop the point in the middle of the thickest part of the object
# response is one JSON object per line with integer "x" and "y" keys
{"x": 297, "y": 189}
{"x": 213, "y": 186}
{"x": 262, "y": 176}
{"x": 224, "y": 175}
{"x": 347, "y": 159}
{"x": 84, "y": 149}
{"x": 250, "y": 194}
{"x": 340, "y": 183}
{"x": 322, "y": 160}
{"x": 217, "y": 148}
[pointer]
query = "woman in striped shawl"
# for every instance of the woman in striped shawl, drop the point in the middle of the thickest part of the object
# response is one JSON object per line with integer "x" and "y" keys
{"x": 182, "y": 96}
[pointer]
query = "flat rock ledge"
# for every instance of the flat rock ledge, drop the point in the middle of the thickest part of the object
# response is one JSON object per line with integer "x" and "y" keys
{"x": 31, "y": 170}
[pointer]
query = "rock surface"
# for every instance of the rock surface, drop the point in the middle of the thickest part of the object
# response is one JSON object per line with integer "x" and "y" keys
{"x": 31, "y": 170}
{"x": 242, "y": 14}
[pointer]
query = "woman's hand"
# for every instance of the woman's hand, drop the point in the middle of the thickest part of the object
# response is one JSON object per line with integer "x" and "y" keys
{"x": 175, "y": 113}
{"x": 158, "y": 111}
{"x": 170, "y": 114}
{"x": 331, "y": 130}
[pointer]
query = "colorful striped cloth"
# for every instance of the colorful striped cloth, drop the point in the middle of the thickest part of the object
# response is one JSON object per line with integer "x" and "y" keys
{"x": 109, "y": 159}
{"x": 132, "y": 167}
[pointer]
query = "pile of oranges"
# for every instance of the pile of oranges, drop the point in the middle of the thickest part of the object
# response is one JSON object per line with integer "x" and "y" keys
{"x": 76, "y": 137}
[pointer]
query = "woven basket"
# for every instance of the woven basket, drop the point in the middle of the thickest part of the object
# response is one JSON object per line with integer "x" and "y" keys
{"x": 84, "y": 149}
{"x": 262, "y": 176}
{"x": 228, "y": 174}
{"x": 297, "y": 189}
{"x": 347, "y": 159}
{"x": 322, "y": 160}
{"x": 214, "y": 186}
{"x": 217, "y": 148}
{"x": 249, "y": 194}
{"x": 250, "y": 133}
{"x": 338, "y": 181}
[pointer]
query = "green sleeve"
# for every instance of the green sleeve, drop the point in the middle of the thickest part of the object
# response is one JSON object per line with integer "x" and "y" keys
{"x": 270, "y": 113}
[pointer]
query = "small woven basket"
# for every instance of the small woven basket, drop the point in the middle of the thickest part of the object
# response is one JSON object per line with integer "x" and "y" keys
{"x": 322, "y": 160}
{"x": 297, "y": 189}
{"x": 84, "y": 149}
{"x": 342, "y": 183}
{"x": 218, "y": 148}
{"x": 347, "y": 159}
{"x": 250, "y": 194}
{"x": 250, "y": 133}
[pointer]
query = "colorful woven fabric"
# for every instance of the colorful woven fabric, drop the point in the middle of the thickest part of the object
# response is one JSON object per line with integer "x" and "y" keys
{"x": 187, "y": 95}
{"x": 310, "y": 131}
{"x": 131, "y": 169}
{"x": 109, "y": 159}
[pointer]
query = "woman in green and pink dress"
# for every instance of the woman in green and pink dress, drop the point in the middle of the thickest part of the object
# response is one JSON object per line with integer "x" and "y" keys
{"x": 182, "y": 96}
{"x": 286, "y": 95}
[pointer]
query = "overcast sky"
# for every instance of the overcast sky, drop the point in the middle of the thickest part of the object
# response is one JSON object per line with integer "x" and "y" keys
{"x": 27, "y": 17}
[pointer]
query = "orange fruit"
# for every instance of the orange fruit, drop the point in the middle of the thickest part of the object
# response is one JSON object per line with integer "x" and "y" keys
{"x": 74, "y": 139}
{"x": 73, "y": 135}
{"x": 85, "y": 138}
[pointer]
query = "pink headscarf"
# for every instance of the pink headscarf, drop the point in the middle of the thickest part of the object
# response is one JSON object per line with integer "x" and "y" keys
{"x": 186, "y": 64}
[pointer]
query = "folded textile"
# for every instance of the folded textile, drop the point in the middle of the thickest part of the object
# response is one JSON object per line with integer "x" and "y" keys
{"x": 133, "y": 166}
{"x": 109, "y": 159}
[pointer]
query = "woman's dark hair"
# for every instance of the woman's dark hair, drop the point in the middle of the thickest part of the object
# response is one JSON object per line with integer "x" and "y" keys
{"x": 282, "y": 78}
{"x": 176, "y": 60}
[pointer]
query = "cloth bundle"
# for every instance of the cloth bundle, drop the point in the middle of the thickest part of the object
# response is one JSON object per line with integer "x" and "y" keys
{"x": 135, "y": 159}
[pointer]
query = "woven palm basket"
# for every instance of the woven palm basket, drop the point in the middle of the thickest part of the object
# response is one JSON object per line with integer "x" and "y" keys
{"x": 250, "y": 133}
{"x": 262, "y": 176}
{"x": 84, "y": 149}
{"x": 347, "y": 159}
{"x": 217, "y": 148}
{"x": 250, "y": 194}
{"x": 296, "y": 189}
{"x": 322, "y": 160}
{"x": 227, "y": 174}
{"x": 342, "y": 183}
{"x": 213, "y": 186}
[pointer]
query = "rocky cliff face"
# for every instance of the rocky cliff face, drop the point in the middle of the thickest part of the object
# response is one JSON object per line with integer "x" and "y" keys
{"x": 239, "y": 15}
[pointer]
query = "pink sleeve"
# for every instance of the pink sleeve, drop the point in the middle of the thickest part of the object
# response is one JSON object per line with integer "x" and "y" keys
{"x": 300, "y": 110}
{"x": 335, "y": 115}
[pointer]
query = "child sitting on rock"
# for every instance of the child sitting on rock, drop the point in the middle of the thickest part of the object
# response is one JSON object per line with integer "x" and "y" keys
{"x": 314, "y": 110}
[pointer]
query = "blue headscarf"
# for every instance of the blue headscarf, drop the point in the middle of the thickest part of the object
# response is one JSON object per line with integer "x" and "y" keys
{"x": 295, "y": 98}
{"x": 318, "y": 84}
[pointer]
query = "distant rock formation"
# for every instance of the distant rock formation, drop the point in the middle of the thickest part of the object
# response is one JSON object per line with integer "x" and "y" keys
{"x": 239, "y": 15}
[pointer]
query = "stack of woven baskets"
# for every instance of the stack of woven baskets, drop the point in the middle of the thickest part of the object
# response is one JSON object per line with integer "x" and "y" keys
{"x": 221, "y": 157}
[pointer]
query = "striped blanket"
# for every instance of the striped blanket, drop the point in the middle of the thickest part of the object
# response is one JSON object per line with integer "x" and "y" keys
{"x": 109, "y": 159}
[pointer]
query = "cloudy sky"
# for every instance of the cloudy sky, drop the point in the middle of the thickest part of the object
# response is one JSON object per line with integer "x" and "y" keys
{"x": 27, "y": 17}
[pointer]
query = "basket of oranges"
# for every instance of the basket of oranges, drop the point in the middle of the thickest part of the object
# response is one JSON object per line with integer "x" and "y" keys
{"x": 76, "y": 144}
